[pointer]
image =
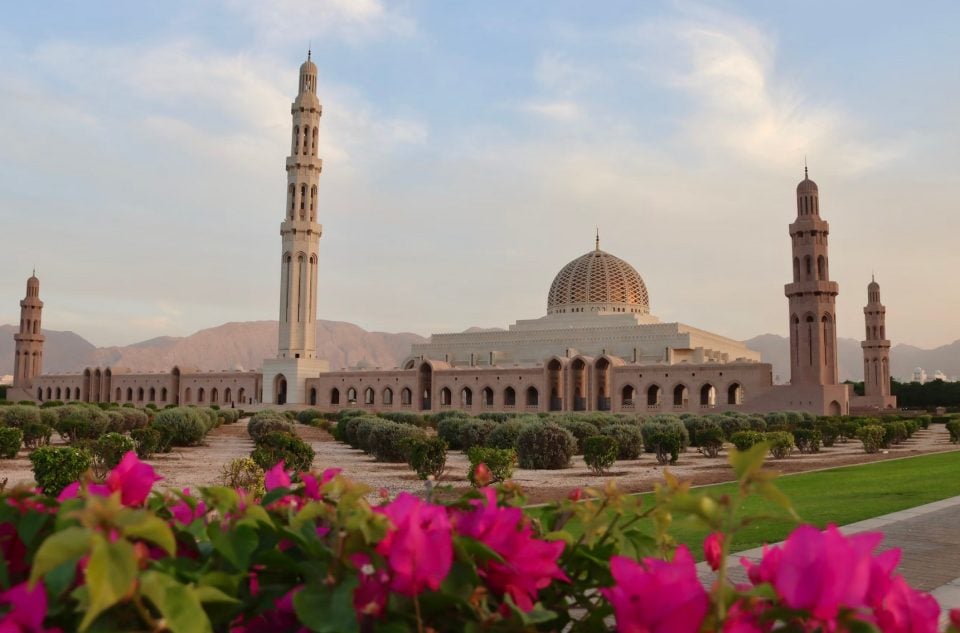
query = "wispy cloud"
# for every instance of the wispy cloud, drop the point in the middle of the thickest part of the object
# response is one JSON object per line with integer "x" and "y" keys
{"x": 561, "y": 111}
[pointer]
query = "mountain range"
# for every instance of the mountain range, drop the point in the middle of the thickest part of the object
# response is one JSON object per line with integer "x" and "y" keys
{"x": 245, "y": 345}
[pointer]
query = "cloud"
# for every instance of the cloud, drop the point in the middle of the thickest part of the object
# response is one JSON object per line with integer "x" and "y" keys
{"x": 560, "y": 111}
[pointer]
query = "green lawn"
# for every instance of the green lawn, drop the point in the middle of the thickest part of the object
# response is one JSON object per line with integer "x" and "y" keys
{"x": 842, "y": 496}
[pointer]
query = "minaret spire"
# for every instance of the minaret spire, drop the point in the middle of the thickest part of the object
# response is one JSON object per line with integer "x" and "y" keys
{"x": 28, "y": 345}
{"x": 597, "y": 246}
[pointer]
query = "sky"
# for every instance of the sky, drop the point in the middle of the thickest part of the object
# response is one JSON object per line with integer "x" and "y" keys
{"x": 470, "y": 150}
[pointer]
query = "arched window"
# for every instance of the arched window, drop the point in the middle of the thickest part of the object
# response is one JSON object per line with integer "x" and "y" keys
{"x": 292, "y": 195}
{"x": 653, "y": 395}
{"x": 303, "y": 199}
{"x": 313, "y": 203}
{"x": 627, "y": 396}
{"x": 387, "y": 397}
{"x": 406, "y": 396}
{"x": 509, "y": 397}
{"x": 58, "y": 393}
{"x": 796, "y": 269}
{"x": 808, "y": 264}
{"x": 129, "y": 394}
{"x": 446, "y": 396}
{"x": 117, "y": 397}
{"x": 139, "y": 394}
{"x": 200, "y": 395}
{"x": 368, "y": 395}
{"x": 708, "y": 395}
{"x": 486, "y": 397}
{"x": 681, "y": 395}
{"x": 313, "y": 145}
{"x": 240, "y": 396}
{"x": 163, "y": 394}
{"x": 39, "y": 393}
{"x": 49, "y": 394}
{"x": 36, "y": 327}
{"x": 214, "y": 395}
{"x": 296, "y": 140}
{"x": 188, "y": 395}
{"x": 533, "y": 397}
{"x": 821, "y": 268}
{"x": 153, "y": 394}
{"x": 466, "y": 397}
{"x": 334, "y": 396}
{"x": 351, "y": 395}
{"x": 735, "y": 394}
{"x": 810, "y": 338}
{"x": 306, "y": 140}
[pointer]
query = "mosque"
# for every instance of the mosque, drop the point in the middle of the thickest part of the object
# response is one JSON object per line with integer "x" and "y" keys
{"x": 598, "y": 348}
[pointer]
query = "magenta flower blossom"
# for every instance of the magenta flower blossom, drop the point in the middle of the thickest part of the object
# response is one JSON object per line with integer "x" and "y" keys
{"x": 906, "y": 610}
{"x": 656, "y": 596}
{"x": 133, "y": 479}
{"x": 72, "y": 490}
{"x": 311, "y": 486}
{"x": 372, "y": 594}
{"x": 418, "y": 547}
{"x": 184, "y": 513}
{"x": 276, "y": 477}
{"x": 281, "y": 618}
{"x": 28, "y": 608}
{"x": 529, "y": 564}
{"x": 713, "y": 550}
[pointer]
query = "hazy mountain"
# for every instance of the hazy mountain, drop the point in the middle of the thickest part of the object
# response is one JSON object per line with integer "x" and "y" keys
{"x": 227, "y": 346}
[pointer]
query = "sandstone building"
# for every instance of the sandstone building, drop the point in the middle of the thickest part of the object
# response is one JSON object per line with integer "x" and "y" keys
{"x": 597, "y": 348}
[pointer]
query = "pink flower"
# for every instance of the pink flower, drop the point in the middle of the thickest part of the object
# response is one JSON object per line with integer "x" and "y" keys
{"x": 955, "y": 618}
{"x": 311, "y": 486}
{"x": 73, "y": 490}
{"x": 657, "y": 596}
{"x": 133, "y": 479}
{"x": 482, "y": 475}
{"x": 743, "y": 617}
{"x": 185, "y": 513}
{"x": 28, "y": 608}
{"x": 906, "y": 610}
{"x": 419, "y": 547}
{"x": 529, "y": 564}
{"x": 14, "y": 552}
{"x": 281, "y": 618}
{"x": 371, "y": 595}
{"x": 713, "y": 550}
{"x": 276, "y": 477}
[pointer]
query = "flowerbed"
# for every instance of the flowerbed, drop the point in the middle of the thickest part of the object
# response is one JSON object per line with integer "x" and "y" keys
{"x": 312, "y": 554}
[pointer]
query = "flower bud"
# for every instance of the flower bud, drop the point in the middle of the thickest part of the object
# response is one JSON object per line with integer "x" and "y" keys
{"x": 482, "y": 475}
{"x": 575, "y": 495}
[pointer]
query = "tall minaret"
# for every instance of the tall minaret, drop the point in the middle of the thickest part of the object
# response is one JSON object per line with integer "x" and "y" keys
{"x": 28, "y": 354}
{"x": 299, "y": 230}
{"x": 811, "y": 295}
{"x": 876, "y": 348}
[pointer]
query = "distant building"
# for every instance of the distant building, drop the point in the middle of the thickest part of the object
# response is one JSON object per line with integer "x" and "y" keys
{"x": 919, "y": 375}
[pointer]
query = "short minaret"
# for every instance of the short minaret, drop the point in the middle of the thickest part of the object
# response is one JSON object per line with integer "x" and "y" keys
{"x": 876, "y": 352}
{"x": 283, "y": 381}
{"x": 28, "y": 354}
{"x": 812, "y": 300}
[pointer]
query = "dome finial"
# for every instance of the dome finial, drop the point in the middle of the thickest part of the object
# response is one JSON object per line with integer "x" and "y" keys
{"x": 806, "y": 174}
{"x": 309, "y": 48}
{"x": 598, "y": 237}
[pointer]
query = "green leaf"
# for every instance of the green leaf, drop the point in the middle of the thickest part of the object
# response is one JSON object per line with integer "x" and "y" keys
{"x": 111, "y": 576}
{"x": 474, "y": 550}
{"x": 151, "y": 528}
{"x": 206, "y": 593}
{"x": 63, "y": 546}
{"x": 747, "y": 462}
{"x": 236, "y": 545}
{"x": 178, "y": 603}
{"x": 327, "y": 610}
{"x": 537, "y": 615}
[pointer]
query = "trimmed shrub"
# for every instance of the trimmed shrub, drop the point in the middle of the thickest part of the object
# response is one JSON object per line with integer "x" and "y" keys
{"x": 350, "y": 413}
{"x": 437, "y": 418}
{"x": 116, "y": 423}
{"x": 19, "y": 414}
{"x": 781, "y": 443}
{"x": 10, "y": 441}
{"x": 107, "y": 452}
{"x": 711, "y": 440}
{"x": 229, "y": 416}
{"x": 629, "y": 440}
{"x": 580, "y": 429}
{"x": 872, "y": 436}
{"x": 694, "y": 423}
{"x": 134, "y": 419}
{"x": 51, "y": 403}
{"x": 953, "y": 428}
{"x": 545, "y": 447}
{"x": 474, "y": 432}
{"x": 734, "y": 425}
{"x": 848, "y": 430}
{"x": 600, "y": 453}
{"x": 323, "y": 424}
{"x": 56, "y": 467}
{"x": 665, "y": 442}
{"x": 185, "y": 426}
{"x": 757, "y": 423}
{"x": 449, "y": 429}
{"x": 404, "y": 417}
{"x": 829, "y": 430}
{"x": 391, "y": 442}
{"x": 296, "y": 454}
{"x": 145, "y": 441}
{"x": 36, "y": 435}
{"x": 923, "y": 421}
{"x": 350, "y": 427}
{"x": 307, "y": 415}
{"x": 259, "y": 427}
{"x": 506, "y": 434}
{"x": 244, "y": 473}
{"x": 81, "y": 423}
{"x": 807, "y": 440}
{"x": 366, "y": 426}
{"x": 744, "y": 440}
{"x": 428, "y": 457}
{"x": 674, "y": 426}
{"x": 894, "y": 433}
{"x": 499, "y": 461}
{"x": 495, "y": 416}
{"x": 776, "y": 421}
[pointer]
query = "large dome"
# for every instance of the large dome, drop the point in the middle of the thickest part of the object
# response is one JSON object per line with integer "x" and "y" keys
{"x": 598, "y": 282}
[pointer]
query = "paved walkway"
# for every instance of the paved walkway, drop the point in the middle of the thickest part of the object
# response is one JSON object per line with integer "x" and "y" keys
{"x": 928, "y": 535}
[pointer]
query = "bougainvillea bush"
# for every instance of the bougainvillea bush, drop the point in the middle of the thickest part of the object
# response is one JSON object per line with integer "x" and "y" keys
{"x": 313, "y": 554}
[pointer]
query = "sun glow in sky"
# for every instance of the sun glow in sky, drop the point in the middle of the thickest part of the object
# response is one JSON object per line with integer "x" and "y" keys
{"x": 469, "y": 151}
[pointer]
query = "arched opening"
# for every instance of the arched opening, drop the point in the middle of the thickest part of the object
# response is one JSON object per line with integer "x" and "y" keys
{"x": 834, "y": 408}
{"x": 368, "y": 396}
{"x": 228, "y": 396}
{"x": 118, "y": 396}
{"x": 279, "y": 389}
{"x": 163, "y": 394}
{"x": 387, "y": 397}
{"x": 601, "y": 372}
{"x": 708, "y": 396}
{"x": 735, "y": 394}
{"x": 653, "y": 395}
{"x": 466, "y": 397}
{"x": 241, "y": 396}
{"x": 406, "y": 397}
{"x": 446, "y": 397}
{"x": 76, "y": 393}
{"x": 352, "y": 395}
{"x": 810, "y": 339}
{"x": 628, "y": 396}
{"x": 579, "y": 379}
{"x": 821, "y": 268}
{"x": 313, "y": 396}
{"x": 187, "y": 395}
{"x": 201, "y": 395}
{"x": 681, "y": 396}
{"x": 214, "y": 395}
{"x": 555, "y": 385}
{"x": 486, "y": 397}
{"x": 59, "y": 394}
{"x": 153, "y": 394}
{"x": 808, "y": 265}
{"x": 139, "y": 394}
{"x": 425, "y": 385}
{"x": 39, "y": 393}
{"x": 829, "y": 351}
{"x": 129, "y": 394}
{"x": 334, "y": 396}
{"x": 509, "y": 397}
{"x": 796, "y": 269}
{"x": 533, "y": 397}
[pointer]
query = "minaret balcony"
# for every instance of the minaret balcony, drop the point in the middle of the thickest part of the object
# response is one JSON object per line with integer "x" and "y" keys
{"x": 811, "y": 287}
{"x": 304, "y": 160}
